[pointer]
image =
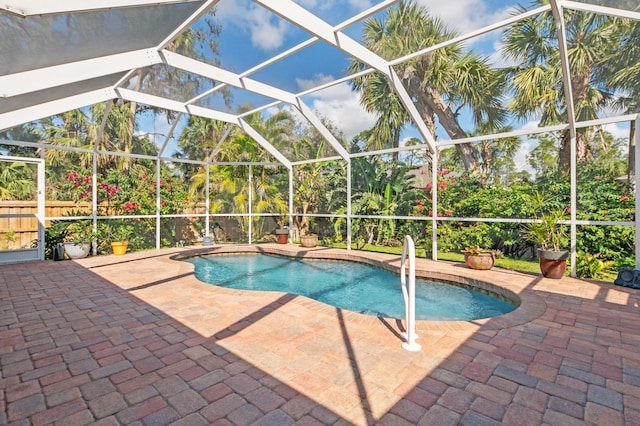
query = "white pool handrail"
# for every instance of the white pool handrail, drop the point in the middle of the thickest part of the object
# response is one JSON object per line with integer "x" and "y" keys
{"x": 409, "y": 294}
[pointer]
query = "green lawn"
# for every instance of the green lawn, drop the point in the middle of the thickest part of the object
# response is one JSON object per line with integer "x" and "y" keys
{"x": 528, "y": 266}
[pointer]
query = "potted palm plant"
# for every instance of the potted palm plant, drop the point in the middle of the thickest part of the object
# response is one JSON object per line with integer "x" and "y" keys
{"x": 548, "y": 232}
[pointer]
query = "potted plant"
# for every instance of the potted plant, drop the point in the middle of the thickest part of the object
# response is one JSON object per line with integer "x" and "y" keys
{"x": 309, "y": 240}
{"x": 54, "y": 237}
{"x": 117, "y": 235}
{"x": 79, "y": 239}
{"x": 549, "y": 234}
{"x": 120, "y": 239}
{"x": 282, "y": 234}
{"x": 476, "y": 257}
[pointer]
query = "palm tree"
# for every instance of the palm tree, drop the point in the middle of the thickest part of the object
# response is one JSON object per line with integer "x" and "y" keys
{"x": 441, "y": 82}
{"x": 196, "y": 142}
{"x": 537, "y": 82}
{"x": 17, "y": 181}
{"x": 198, "y": 41}
{"x": 230, "y": 184}
{"x": 624, "y": 78}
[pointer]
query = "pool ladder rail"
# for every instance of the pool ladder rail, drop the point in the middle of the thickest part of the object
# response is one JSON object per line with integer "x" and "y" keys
{"x": 409, "y": 294}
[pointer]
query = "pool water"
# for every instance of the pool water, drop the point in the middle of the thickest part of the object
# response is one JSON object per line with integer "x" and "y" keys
{"x": 346, "y": 285}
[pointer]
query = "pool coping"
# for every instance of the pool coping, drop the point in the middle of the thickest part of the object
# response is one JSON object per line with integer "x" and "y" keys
{"x": 529, "y": 305}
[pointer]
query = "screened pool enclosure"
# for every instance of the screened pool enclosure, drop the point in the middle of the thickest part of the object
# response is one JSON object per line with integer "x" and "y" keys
{"x": 358, "y": 121}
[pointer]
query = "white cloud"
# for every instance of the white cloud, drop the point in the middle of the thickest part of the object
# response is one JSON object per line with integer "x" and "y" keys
{"x": 497, "y": 59}
{"x": 617, "y": 130}
{"x": 318, "y": 80}
{"x": 315, "y": 5}
{"x": 465, "y": 15}
{"x": 526, "y": 145}
{"x": 339, "y": 104}
{"x": 266, "y": 30}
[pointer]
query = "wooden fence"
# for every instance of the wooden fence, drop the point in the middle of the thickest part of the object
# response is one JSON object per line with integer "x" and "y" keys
{"x": 20, "y": 232}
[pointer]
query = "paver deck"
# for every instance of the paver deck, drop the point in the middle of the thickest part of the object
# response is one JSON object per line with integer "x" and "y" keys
{"x": 137, "y": 339}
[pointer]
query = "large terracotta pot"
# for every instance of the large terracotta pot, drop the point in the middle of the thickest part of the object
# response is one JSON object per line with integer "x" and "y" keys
{"x": 553, "y": 264}
{"x": 480, "y": 261}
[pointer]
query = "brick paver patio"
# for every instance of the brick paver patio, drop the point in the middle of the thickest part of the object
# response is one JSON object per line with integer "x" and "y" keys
{"x": 137, "y": 339}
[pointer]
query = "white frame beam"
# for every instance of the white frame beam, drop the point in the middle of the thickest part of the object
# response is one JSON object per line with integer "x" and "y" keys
{"x": 571, "y": 121}
{"x": 317, "y": 123}
{"x": 27, "y": 8}
{"x": 58, "y": 75}
{"x": 47, "y": 109}
{"x": 218, "y": 74}
{"x": 264, "y": 143}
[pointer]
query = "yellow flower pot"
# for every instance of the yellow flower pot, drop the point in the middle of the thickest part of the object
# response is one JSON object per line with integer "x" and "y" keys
{"x": 119, "y": 247}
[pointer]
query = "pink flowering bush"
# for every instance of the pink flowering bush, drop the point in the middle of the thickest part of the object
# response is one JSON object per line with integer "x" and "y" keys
{"x": 119, "y": 194}
{"x": 122, "y": 194}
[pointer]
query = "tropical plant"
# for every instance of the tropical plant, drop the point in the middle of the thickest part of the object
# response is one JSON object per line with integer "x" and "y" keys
{"x": 623, "y": 77}
{"x": 229, "y": 184}
{"x": 546, "y": 230}
{"x": 81, "y": 232}
{"x": 56, "y": 233}
{"x": 440, "y": 82}
{"x": 17, "y": 181}
{"x": 537, "y": 82}
{"x": 592, "y": 266}
{"x": 475, "y": 250}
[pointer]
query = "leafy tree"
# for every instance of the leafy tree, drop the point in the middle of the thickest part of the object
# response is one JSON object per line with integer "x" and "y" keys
{"x": 229, "y": 185}
{"x": 198, "y": 41}
{"x": 441, "y": 82}
{"x": 197, "y": 141}
{"x": 543, "y": 159}
{"x": 623, "y": 76}
{"x": 17, "y": 181}
{"x": 537, "y": 79}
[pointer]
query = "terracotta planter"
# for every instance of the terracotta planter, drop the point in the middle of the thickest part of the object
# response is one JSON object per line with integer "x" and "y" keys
{"x": 282, "y": 235}
{"x": 309, "y": 240}
{"x": 119, "y": 247}
{"x": 480, "y": 261}
{"x": 553, "y": 264}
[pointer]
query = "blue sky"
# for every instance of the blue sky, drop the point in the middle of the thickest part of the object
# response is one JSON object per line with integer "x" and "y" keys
{"x": 252, "y": 34}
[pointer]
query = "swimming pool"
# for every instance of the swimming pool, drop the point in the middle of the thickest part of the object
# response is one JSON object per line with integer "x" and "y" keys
{"x": 346, "y": 285}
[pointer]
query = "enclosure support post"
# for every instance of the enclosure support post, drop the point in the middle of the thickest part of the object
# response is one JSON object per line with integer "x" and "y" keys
{"x": 41, "y": 205}
{"x": 249, "y": 207}
{"x": 434, "y": 204}
{"x": 94, "y": 173}
{"x": 574, "y": 207}
{"x": 635, "y": 191}
{"x": 158, "y": 204}
{"x": 94, "y": 196}
{"x": 207, "y": 203}
{"x": 290, "y": 201}
{"x": 349, "y": 204}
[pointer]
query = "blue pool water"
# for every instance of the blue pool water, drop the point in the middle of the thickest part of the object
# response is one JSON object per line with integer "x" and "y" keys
{"x": 346, "y": 285}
